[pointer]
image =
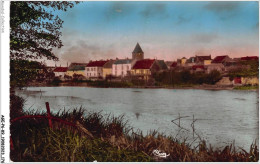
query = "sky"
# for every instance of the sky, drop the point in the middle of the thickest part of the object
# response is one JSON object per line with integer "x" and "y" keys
{"x": 165, "y": 30}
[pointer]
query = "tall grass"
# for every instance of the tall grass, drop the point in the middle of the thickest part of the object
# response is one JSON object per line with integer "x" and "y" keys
{"x": 107, "y": 138}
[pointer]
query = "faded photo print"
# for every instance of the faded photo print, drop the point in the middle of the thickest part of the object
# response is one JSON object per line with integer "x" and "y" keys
{"x": 139, "y": 81}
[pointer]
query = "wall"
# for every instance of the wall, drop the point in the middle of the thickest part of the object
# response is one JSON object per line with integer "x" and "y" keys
{"x": 106, "y": 71}
{"x": 59, "y": 74}
{"x": 224, "y": 81}
{"x": 207, "y": 62}
{"x": 120, "y": 69}
{"x": 93, "y": 72}
{"x": 250, "y": 81}
{"x": 79, "y": 72}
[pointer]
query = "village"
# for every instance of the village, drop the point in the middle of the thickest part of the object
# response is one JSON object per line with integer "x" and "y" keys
{"x": 140, "y": 68}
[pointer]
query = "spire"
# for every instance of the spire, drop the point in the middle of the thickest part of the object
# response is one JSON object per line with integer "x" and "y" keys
{"x": 138, "y": 49}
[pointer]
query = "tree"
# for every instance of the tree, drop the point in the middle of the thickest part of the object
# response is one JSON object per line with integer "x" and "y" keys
{"x": 35, "y": 31}
{"x": 213, "y": 77}
{"x": 23, "y": 71}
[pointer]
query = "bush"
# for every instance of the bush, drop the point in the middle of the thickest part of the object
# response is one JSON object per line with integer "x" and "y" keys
{"x": 185, "y": 77}
{"x": 16, "y": 106}
{"x": 56, "y": 81}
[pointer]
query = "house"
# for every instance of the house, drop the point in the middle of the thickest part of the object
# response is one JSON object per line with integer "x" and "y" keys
{"x": 218, "y": 63}
{"x": 169, "y": 63}
{"x": 202, "y": 60}
{"x": 183, "y": 61}
{"x": 94, "y": 69}
{"x": 107, "y": 68}
{"x": 50, "y": 68}
{"x": 60, "y": 71}
{"x": 121, "y": 67}
{"x": 249, "y": 58}
{"x": 76, "y": 69}
{"x": 173, "y": 65}
{"x": 221, "y": 59}
{"x": 162, "y": 65}
{"x": 190, "y": 61}
{"x": 143, "y": 69}
{"x": 237, "y": 81}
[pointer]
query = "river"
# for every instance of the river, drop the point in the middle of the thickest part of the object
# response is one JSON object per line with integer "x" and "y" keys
{"x": 222, "y": 116}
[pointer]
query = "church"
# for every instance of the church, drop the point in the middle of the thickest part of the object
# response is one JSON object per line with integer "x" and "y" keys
{"x": 122, "y": 67}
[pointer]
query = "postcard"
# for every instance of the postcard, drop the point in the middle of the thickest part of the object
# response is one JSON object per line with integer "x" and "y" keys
{"x": 129, "y": 81}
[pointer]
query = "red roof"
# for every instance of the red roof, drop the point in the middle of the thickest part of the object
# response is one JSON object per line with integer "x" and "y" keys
{"x": 174, "y": 64}
{"x": 219, "y": 59}
{"x": 144, "y": 64}
{"x": 100, "y": 63}
{"x": 60, "y": 69}
{"x": 198, "y": 66}
{"x": 250, "y": 58}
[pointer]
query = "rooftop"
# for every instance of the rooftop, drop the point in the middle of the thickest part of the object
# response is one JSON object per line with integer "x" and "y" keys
{"x": 99, "y": 63}
{"x": 202, "y": 58}
{"x": 144, "y": 64}
{"x": 76, "y": 68}
{"x": 249, "y": 58}
{"x": 219, "y": 59}
{"x": 60, "y": 69}
{"x": 123, "y": 61}
{"x": 138, "y": 49}
{"x": 162, "y": 64}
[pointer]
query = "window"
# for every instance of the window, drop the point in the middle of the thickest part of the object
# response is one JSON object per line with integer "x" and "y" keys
{"x": 87, "y": 69}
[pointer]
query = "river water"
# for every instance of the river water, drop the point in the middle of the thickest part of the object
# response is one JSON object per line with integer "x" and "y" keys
{"x": 222, "y": 116}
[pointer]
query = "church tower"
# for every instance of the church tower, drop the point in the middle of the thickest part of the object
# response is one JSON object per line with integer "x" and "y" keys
{"x": 138, "y": 53}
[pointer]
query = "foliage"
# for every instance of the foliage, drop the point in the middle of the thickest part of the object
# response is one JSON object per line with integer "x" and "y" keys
{"x": 77, "y": 77}
{"x": 252, "y": 71}
{"x": 16, "y": 106}
{"x": 56, "y": 81}
{"x": 247, "y": 87}
{"x": 23, "y": 71}
{"x": 35, "y": 31}
{"x": 185, "y": 77}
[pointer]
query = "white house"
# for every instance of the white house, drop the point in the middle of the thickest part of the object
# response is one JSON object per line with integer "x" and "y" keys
{"x": 94, "y": 69}
{"x": 60, "y": 71}
{"x": 121, "y": 67}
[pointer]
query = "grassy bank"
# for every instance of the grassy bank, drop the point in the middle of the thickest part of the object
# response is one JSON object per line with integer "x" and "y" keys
{"x": 105, "y": 138}
{"x": 246, "y": 87}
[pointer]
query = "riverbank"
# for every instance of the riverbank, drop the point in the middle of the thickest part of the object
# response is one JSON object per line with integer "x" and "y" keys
{"x": 104, "y": 84}
{"x": 95, "y": 137}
